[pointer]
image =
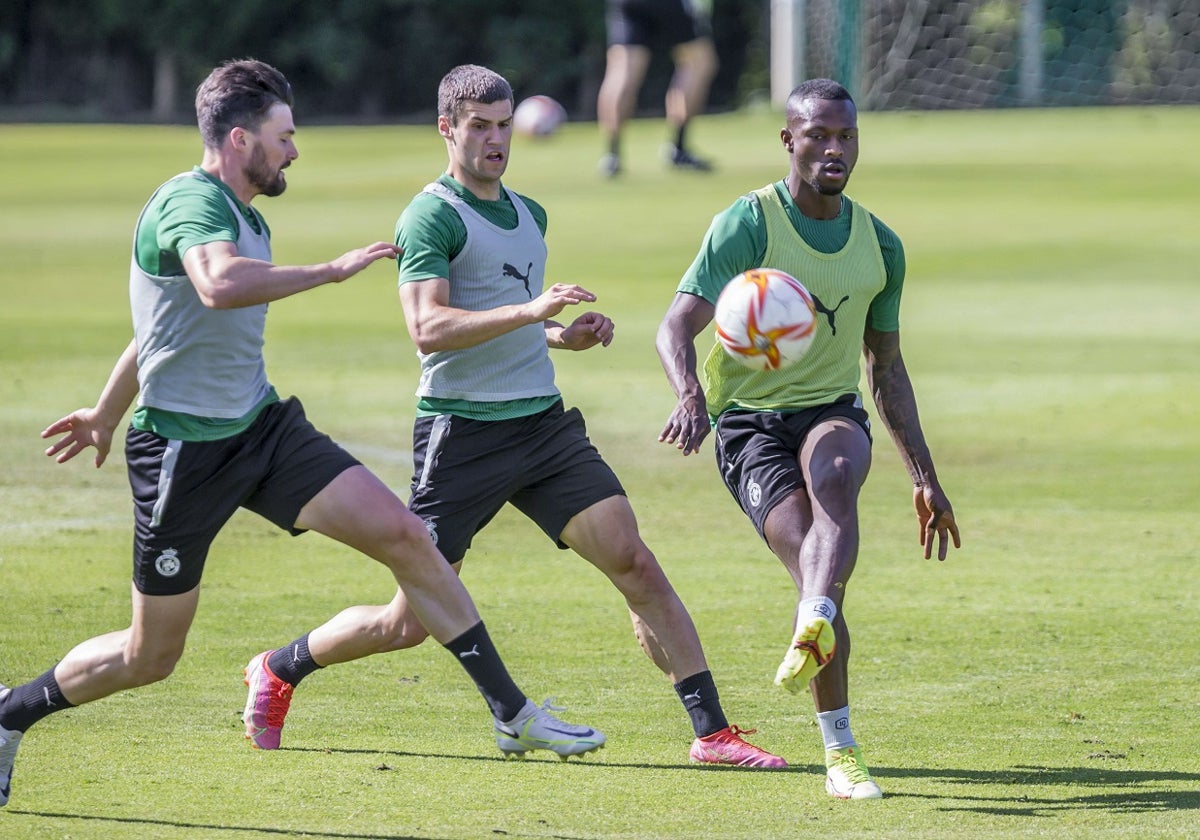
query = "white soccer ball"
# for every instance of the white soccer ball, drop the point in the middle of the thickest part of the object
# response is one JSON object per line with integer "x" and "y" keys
{"x": 765, "y": 319}
{"x": 538, "y": 116}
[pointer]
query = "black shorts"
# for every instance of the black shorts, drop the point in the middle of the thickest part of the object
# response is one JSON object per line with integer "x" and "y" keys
{"x": 757, "y": 451}
{"x": 655, "y": 23}
{"x": 184, "y": 491}
{"x": 465, "y": 470}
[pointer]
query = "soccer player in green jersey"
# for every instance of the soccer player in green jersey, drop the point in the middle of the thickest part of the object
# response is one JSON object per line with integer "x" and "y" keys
{"x": 794, "y": 445}
{"x": 210, "y": 435}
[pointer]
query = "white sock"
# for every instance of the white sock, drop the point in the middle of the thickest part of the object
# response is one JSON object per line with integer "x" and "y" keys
{"x": 835, "y": 729}
{"x": 811, "y": 608}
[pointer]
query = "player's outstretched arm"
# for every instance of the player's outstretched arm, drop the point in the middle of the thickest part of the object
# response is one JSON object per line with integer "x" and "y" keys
{"x": 226, "y": 280}
{"x": 896, "y": 402}
{"x": 688, "y": 424}
{"x": 86, "y": 427}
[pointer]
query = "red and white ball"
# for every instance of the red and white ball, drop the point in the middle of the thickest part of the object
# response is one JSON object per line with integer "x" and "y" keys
{"x": 538, "y": 116}
{"x": 765, "y": 319}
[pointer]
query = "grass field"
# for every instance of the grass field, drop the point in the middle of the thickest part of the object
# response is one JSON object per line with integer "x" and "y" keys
{"x": 1042, "y": 682}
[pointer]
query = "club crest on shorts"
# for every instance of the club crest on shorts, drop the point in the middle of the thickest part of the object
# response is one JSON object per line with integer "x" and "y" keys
{"x": 431, "y": 527}
{"x": 754, "y": 493}
{"x": 168, "y": 563}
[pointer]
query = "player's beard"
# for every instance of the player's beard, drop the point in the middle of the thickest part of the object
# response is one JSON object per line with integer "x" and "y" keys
{"x": 261, "y": 177}
{"x": 828, "y": 189}
{"x": 821, "y": 186}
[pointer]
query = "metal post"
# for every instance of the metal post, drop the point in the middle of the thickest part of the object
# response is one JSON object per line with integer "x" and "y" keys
{"x": 846, "y": 56}
{"x": 1033, "y": 17}
{"x": 787, "y": 47}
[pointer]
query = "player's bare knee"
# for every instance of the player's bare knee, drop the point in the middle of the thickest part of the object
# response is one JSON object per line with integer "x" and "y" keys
{"x": 841, "y": 477}
{"x": 404, "y": 539}
{"x": 639, "y": 574}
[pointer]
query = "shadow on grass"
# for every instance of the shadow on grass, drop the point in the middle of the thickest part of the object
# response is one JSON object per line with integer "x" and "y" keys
{"x": 576, "y": 761}
{"x": 240, "y": 830}
{"x": 1024, "y": 777}
{"x": 1020, "y": 777}
{"x": 192, "y": 826}
{"x": 593, "y": 759}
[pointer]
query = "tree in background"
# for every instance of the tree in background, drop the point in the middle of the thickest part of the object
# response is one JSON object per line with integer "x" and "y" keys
{"x": 372, "y": 60}
{"x": 355, "y": 59}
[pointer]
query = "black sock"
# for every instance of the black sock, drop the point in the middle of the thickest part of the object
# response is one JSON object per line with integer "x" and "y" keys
{"x": 699, "y": 695}
{"x": 26, "y": 704}
{"x": 478, "y": 656}
{"x": 682, "y": 130}
{"x": 614, "y": 147}
{"x": 292, "y": 663}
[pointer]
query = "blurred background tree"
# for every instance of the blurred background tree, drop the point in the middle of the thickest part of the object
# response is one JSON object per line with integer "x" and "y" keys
{"x": 350, "y": 60}
{"x": 380, "y": 60}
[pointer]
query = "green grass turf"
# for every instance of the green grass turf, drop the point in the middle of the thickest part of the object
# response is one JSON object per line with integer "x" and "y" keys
{"x": 1040, "y": 683}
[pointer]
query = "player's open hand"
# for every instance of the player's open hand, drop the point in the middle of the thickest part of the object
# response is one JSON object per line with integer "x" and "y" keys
{"x": 935, "y": 516}
{"x": 588, "y": 330}
{"x": 79, "y": 429}
{"x": 688, "y": 425}
{"x": 557, "y": 298}
{"x": 352, "y": 262}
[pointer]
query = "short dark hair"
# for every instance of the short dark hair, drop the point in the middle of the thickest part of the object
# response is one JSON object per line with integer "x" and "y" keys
{"x": 470, "y": 83}
{"x": 238, "y": 94}
{"x": 826, "y": 89}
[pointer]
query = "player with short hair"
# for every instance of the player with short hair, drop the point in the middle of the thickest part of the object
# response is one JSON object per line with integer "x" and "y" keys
{"x": 636, "y": 28}
{"x": 210, "y": 435}
{"x": 794, "y": 445}
{"x": 491, "y": 428}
